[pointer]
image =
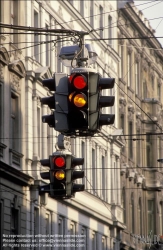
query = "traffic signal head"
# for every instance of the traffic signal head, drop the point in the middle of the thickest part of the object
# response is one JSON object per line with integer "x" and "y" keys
{"x": 62, "y": 176}
{"x": 72, "y": 175}
{"x": 58, "y": 102}
{"x": 97, "y": 102}
{"x": 86, "y": 102}
{"x": 78, "y": 102}
{"x": 56, "y": 176}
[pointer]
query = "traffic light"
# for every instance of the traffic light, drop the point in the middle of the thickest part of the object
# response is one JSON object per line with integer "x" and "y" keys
{"x": 86, "y": 102}
{"x": 97, "y": 102}
{"x": 78, "y": 101}
{"x": 72, "y": 175}
{"x": 58, "y": 102}
{"x": 61, "y": 175}
{"x": 56, "y": 176}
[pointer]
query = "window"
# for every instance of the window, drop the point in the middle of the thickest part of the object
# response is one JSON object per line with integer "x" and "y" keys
{"x": 59, "y": 64}
{"x": 0, "y": 110}
{"x": 47, "y": 227}
{"x": 72, "y": 232}
{"x": 159, "y": 151}
{"x": 1, "y": 221}
{"x": 14, "y": 122}
{"x": 103, "y": 177}
{"x": 61, "y": 225}
{"x": 47, "y": 48}
{"x": 93, "y": 170}
{"x": 122, "y": 122}
{"x": 130, "y": 142}
{"x": 83, "y": 156}
{"x": 101, "y": 21}
{"x": 152, "y": 82}
{"x": 145, "y": 91}
{"x": 36, "y": 37}
{"x": 132, "y": 213}
{"x": 139, "y": 217}
{"x": 129, "y": 70}
{"x": 158, "y": 92}
{"x": 15, "y": 224}
{"x": 47, "y": 224}
{"x": 14, "y": 18}
{"x": 110, "y": 30}
{"x": 61, "y": 229}
{"x": 124, "y": 205}
{"x": 138, "y": 149}
{"x": 137, "y": 78}
{"x": 39, "y": 131}
{"x": 94, "y": 241}
{"x": 36, "y": 224}
{"x": 104, "y": 243}
{"x": 148, "y": 150}
{"x": 84, "y": 232}
{"x": 150, "y": 206}
{"x": 161, "y": 218}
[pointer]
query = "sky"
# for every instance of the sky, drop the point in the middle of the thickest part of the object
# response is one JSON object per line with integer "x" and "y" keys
{"x": 153, "y": 9}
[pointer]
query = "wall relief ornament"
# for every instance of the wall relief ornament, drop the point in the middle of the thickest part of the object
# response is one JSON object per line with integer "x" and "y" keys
{"x": 15, "y": 82}
{"x": 145, "y": 65}
{"x": 1, "y": 73}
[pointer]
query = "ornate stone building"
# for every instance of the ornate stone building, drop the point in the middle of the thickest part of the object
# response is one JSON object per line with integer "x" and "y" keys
{"x": 140, "y": 116}
{"x": 27, "y": 57}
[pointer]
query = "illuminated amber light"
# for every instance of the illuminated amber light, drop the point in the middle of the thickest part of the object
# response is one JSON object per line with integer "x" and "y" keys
{"x": 79, "y": 100}
{"x": 60, "y": 175}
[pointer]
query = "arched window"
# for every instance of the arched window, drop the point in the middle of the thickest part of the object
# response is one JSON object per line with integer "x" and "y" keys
{"x": 132, "y": 213}
{"x": 140, "y": 217}
{"x": 123, "y": 202}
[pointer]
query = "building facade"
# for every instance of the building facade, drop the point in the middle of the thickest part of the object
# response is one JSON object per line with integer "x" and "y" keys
{"x": 140, "y": 117}
{"x": 28, "y": 57}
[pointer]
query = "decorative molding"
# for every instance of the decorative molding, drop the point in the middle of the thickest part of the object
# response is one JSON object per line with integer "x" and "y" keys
{"x": 18, "y": 68}
{"x": 4, "y": 56}
{"x": 15, "y": 82}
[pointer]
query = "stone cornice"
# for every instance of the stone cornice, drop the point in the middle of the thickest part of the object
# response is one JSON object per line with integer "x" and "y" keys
{"x": 136, "y": 21}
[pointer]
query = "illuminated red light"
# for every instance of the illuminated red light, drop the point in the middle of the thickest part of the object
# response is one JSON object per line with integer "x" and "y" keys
{"x": 80, "y": 82}
{"x": 59, "y": 161}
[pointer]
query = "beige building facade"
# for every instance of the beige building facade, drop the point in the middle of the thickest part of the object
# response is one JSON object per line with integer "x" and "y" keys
{"x": 140, "y": 117}
{"x": 26, "y": 59}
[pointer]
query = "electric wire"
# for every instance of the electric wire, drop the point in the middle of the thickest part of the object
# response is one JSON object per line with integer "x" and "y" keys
{"x": 108, "y": 12}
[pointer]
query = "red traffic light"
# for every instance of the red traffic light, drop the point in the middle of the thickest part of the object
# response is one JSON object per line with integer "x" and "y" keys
{"x": 78, "y": 81}
{"x": 59, "y": 161}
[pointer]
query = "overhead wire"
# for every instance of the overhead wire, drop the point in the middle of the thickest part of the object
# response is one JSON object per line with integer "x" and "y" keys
{"x": 107, "y": 12}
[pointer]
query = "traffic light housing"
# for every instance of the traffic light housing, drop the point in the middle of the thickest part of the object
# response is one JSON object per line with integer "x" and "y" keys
{"x": 77, "y": 102}
{"x": 72, "y": 175}
{"x": 86, "y": 102}
{"x": 61, "y": 176}
{"x": 97, "y": 101}
{"x": 58, "y": 102}
{"x": 56, "y": 176}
